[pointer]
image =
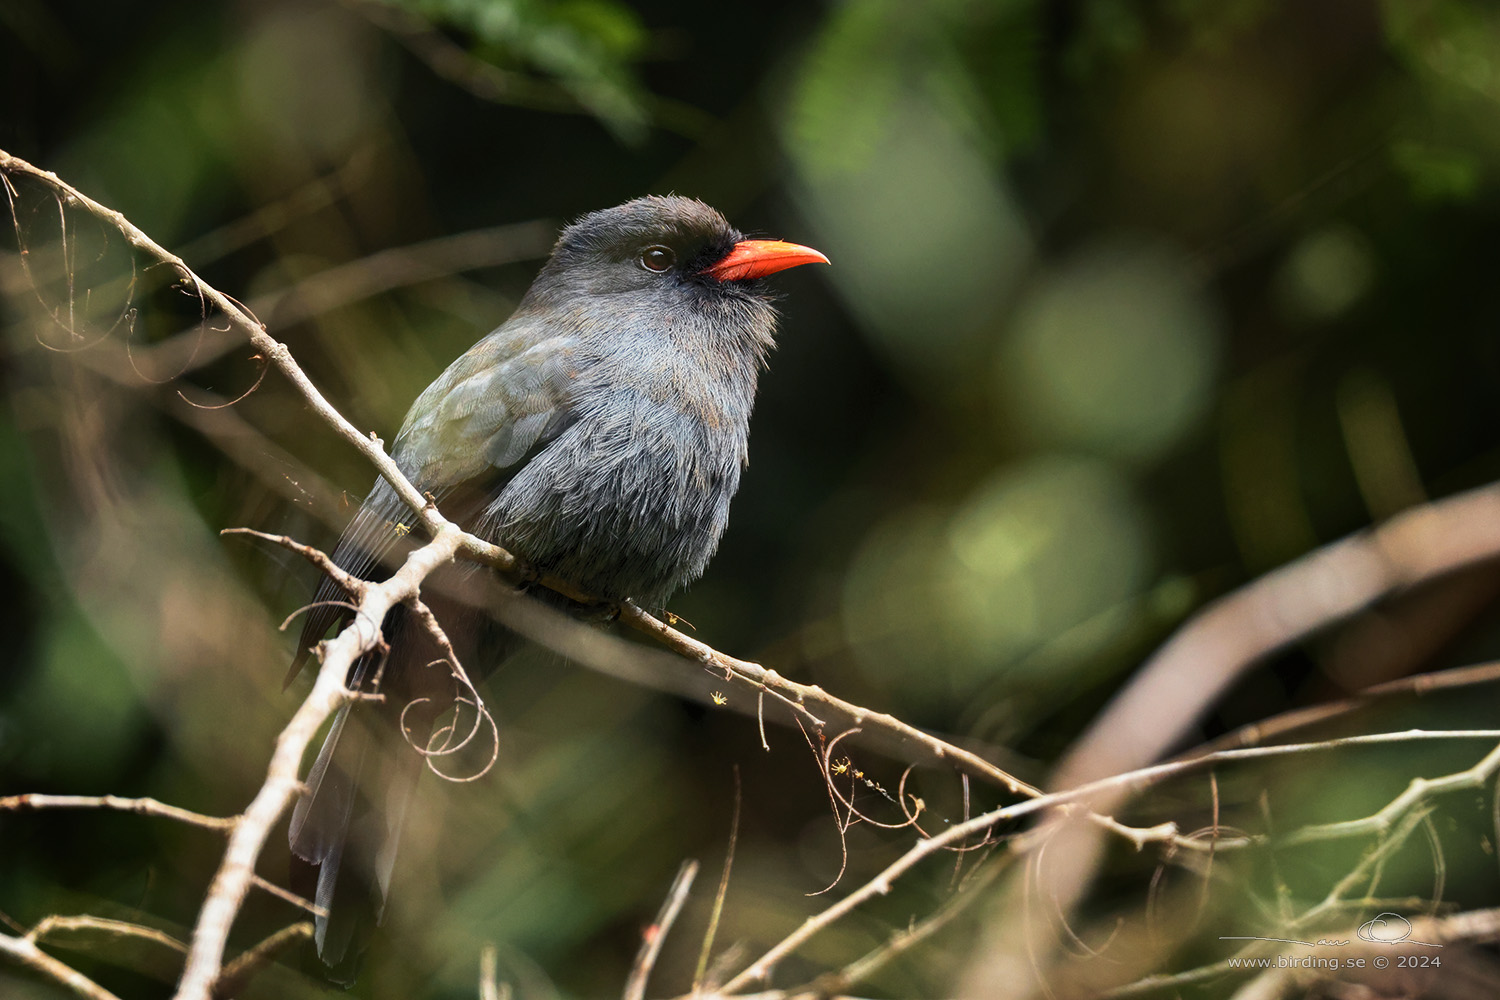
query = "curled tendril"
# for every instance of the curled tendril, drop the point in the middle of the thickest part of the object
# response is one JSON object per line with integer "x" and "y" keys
{"x": 440, "y": 743}
{"x": 1059, "y": 919}
{"x": 431, "y": 753}
{"x": 842, "y": 823}
{"x": 462, "y": 685}
{"x": 265, "y": 366}
{"x": 185, "y": 277}
{"x": 65, "y": 314}
{"x": 320, "y": 604}
{"x": 856, "y": 776}
{"x": 67, "y": 322}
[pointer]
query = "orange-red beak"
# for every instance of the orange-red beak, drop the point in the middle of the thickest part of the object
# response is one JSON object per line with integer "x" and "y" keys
{"x": 758, "y": 258}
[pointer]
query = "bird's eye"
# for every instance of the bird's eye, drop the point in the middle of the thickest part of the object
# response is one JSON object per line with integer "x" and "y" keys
{"x": 657, "y": 258}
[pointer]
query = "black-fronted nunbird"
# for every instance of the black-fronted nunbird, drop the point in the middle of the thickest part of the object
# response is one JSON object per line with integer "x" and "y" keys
{"x": 599, "y": 434}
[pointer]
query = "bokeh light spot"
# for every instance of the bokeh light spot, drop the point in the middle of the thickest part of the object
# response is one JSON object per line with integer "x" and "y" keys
{"x": 1326, "y": 273}
{"x": 927, "y": 239}
{"x": 1115, "y": 352}
{"x": 963, "y": 594}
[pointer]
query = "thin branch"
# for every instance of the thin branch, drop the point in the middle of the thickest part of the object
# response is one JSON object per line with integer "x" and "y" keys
{"x": 352, "y": 585}
{"x": 1227, "y": 637}
{"x": 1420, "y": 790}
{"x": 803, "y": 697}
{"x": 1116, "y": 787}
{"x": 25, "y": 952}
{"x": 706, "y": 951}
{"x": 144, "y": 807}
{"x": 52, "y": 926}
{"x": 238, "y": 972}
{"x": 656, "y": 935}
{"x": 1368, "y": 869}
{"x": 1417, "y": 686}
{"x": 903, "y": 941}
{"x": 287, "y": 896}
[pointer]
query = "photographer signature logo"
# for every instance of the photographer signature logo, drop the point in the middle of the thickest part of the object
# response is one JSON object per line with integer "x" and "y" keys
{"x": 1384, "y": 928}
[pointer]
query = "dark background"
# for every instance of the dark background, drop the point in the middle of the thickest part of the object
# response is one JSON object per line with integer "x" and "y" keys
{"x": 1131, "y": 302}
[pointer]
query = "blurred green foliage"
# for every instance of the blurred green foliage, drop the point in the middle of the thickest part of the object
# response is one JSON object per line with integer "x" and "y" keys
{"x": 589, "y": 47}
{"x": 1132, "y": 301}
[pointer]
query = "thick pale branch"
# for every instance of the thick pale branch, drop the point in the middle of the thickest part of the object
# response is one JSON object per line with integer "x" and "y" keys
{"x": 281, "y": 787}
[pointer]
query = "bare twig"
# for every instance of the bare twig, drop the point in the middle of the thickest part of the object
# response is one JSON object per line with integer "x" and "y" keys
{"x": 25, "y": 951}
{"x": 903, "y": 941}
{"x": 242, "y": 969}
{"x": 145, "y": 807}
{"x": 655, "y": 935}
{"x": 55, "y": 925}
{"x": 802, "y": 698}
{"x": 1420, "y": 790}
{"x": 1368, "y": 869}
{"x": 705, "y": 952}
{"x": 1261, "y": 732}
{"x": 352, "y": 584}
{"x": 287, "y": 896}
{"x": 1198, "y": 663}
{"x": 1115, "y": 788}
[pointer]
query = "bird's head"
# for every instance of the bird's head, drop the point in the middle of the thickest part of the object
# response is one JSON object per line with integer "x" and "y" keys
{"x": 666, "y": 247}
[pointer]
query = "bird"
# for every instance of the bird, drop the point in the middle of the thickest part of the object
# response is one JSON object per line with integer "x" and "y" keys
{"x": 599, "y": 434}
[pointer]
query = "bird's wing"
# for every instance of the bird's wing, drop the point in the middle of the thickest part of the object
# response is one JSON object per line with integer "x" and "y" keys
{"x": 469, "y": 432}
{"x": 465, "y": 437}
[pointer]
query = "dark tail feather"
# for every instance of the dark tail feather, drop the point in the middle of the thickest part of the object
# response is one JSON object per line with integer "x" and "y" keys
{"x": 345, "y": 831}
{"x": 348, "y": 828}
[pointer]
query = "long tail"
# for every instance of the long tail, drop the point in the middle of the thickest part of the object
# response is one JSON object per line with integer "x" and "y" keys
{"x": 345, "y": 831}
